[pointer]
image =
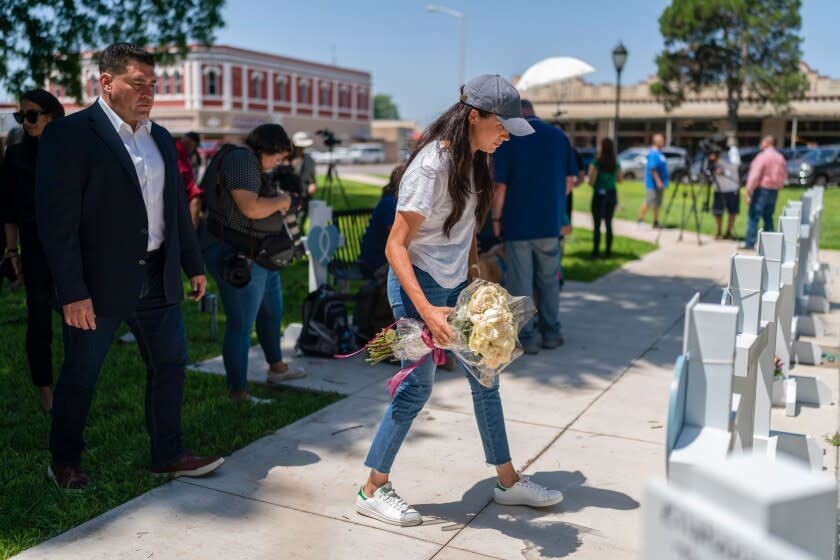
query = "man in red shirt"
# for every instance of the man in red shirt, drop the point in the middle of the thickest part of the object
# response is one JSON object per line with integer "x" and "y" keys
{"x": 767, "y": 177}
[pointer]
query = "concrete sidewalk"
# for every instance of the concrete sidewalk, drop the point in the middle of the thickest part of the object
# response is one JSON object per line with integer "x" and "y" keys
{"x": 587, "y": 418}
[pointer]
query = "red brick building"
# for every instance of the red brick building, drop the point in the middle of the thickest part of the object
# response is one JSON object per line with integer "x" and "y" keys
{"x": 224, "y": 92}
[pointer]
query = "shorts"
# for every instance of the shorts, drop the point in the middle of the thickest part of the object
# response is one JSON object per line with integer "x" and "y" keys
{"x": 730, "y": 201}
{"x": 653, "y": 198}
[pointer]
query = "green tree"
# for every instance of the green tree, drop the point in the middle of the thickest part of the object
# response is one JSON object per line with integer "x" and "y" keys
{"x": 385, "y": 108}
{"x": 44, "y": 38}
{"x": 751, "y": 48}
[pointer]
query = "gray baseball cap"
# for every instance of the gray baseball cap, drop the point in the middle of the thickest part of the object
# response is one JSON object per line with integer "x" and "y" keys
{"x": 496, "y": 95}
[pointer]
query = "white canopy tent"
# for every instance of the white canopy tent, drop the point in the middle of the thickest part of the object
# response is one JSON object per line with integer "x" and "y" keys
{"x": 553, "y": 70}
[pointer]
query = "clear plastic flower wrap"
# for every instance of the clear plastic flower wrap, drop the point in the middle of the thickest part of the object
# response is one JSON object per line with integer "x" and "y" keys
{"x": 485, "y": 324}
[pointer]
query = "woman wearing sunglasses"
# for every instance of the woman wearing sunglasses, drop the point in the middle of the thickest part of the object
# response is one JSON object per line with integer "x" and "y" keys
{"x": 17, "y": 185}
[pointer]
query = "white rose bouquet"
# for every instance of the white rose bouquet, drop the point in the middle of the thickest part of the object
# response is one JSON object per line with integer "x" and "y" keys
{"x": 485, "y": 324}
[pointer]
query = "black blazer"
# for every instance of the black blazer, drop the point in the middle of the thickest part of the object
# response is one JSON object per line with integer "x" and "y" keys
{"x": 92, "y": 219}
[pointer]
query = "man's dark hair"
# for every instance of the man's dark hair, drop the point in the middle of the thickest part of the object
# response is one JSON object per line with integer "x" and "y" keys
{"x": 194, "y": 136}
{"x": 115, "y": 58}
{"x": 268, "y": 139}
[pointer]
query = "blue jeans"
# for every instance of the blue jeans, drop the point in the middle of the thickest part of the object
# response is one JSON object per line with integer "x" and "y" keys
{"x": 159, "y": 330}
{"x": 261, "y": 300}
{"x": 762, "y": 205}
{"x": 415, "y": 390}
{"x": 533, "y": 267}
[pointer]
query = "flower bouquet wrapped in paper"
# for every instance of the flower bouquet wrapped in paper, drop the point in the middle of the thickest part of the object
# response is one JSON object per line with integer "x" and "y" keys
{"x": 485, "y": 326}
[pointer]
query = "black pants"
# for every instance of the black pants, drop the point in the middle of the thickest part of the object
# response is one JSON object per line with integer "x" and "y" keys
{"x": 39, "y": 291}
{"x": 603, "y": 208}
{"x": 159, "y": 330}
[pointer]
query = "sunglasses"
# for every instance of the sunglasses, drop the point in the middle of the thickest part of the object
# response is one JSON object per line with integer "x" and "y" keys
{"x": 31, "y": 116}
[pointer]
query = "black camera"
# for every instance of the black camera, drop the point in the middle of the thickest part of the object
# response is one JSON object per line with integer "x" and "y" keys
{"x": 712, "y": 145}
{"x": 329, "y": 137}
{"x": 236, "y": 270}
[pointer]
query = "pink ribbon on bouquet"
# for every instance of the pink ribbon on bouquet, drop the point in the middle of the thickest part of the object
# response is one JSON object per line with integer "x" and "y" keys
{"x": 438, "y": 357}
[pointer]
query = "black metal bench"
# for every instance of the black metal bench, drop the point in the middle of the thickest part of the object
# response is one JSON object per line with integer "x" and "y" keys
{"x": 344, "y": 267}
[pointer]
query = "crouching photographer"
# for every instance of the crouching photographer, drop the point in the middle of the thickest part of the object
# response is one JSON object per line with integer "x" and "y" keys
{"x": 720, "y": 170}
{"x": 249, "y": 240}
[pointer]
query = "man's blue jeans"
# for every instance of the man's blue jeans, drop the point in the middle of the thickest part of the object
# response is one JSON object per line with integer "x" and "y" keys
{"x": 159, "y": 330}
{"x": 415, "y": 390}
{"x": 762, "y": 205}
{"x": 533, "y": 268}
{"x": 261, "y": 300}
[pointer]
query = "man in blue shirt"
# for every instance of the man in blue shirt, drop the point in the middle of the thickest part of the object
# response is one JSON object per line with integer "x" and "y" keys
{"x": 656, "y": 179}
{"x": 532, "y": 175}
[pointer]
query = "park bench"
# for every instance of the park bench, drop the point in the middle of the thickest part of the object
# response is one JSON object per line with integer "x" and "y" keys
{"x": 344, "y": 267}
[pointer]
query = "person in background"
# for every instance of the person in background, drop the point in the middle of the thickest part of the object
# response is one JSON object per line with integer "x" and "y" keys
{"x": 188, "y": 179}
{"x": 444, "y": 194}
{"x": 604, "y": 173}
{"x": 191, "y": 141}
{"x": 114, "y": 223}
{"x": 767, "y": 177}
{"x": 23, "y": 244}
{"x": 656, "y": 180}
{"x": 240, "y": 202}
{"x": 372, "y": 253}
{"x": 304, "y": 164}
{"x": 532, "y": 175}
{"x": 726, "y": 183}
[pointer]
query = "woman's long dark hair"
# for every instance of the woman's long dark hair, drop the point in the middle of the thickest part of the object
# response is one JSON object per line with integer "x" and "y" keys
{"x": 453, "y": 127}
{"x": 606, "y": 156}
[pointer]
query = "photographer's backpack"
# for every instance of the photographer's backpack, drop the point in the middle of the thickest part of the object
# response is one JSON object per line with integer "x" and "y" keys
{"x": 326, "y": 329}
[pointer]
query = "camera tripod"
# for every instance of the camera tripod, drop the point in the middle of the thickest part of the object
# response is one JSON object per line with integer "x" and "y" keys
{"x": 331, "y": 181}
{"x": 687, "y": 189}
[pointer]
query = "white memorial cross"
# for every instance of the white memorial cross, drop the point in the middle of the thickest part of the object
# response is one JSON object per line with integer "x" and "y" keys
{"x": 746, "y": 284}
{"x": 746, "y": 507}
{"x": 700, "y": 415}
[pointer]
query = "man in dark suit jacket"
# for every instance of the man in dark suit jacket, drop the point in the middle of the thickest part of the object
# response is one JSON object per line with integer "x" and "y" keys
{"x": 115, "y": 226}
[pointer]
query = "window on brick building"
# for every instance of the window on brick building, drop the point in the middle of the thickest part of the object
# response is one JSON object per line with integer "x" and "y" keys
{"x": 324, "y": 98}
{"x": 303, "y": 91}
{"x": 281, "y": 89}
{"x": 165, "y": 79}
{"x": 256, "y": 86}
{"x": 212, "y": 86}
{"x": 178, "y": 82}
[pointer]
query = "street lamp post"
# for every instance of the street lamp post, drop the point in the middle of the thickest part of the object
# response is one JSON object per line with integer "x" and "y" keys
{"x": 619, "y": 56}
{"x": 460, "y": 16}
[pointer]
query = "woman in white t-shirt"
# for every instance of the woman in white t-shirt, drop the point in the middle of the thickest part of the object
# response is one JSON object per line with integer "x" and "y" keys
{"x": 444, "y": 193}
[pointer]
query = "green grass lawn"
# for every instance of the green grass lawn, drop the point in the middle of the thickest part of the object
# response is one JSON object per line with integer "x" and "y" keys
{"x": 631, "y": 194}
{"x": 579, "y": 266}
{"x": 117, "y": 454}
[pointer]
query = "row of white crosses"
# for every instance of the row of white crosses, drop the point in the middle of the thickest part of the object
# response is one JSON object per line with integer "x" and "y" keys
{"x": 737, "y": 489}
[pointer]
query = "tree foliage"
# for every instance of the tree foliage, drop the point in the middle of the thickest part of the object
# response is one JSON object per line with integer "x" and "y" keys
{"x": 385, "y": 108}
{"x": 751, "y": 48}
{"x": 44, "y": 38}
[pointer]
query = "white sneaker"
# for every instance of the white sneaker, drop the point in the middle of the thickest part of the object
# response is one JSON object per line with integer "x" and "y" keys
{"x": 526, "y": 493}
{"x": 258, "y": 400}
{"x": 387, "y": 506}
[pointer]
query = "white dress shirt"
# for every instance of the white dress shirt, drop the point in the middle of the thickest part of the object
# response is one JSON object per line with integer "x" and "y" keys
{"x": 148, "y": 163}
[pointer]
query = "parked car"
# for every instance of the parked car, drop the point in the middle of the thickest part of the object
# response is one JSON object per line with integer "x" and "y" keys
{"x": 634, "y": 160}
{"x": 586, "y": 155}
{"x": 338, "y": 155}
{"x": 819, "y": 166}
{"x": 794, "y": 153}
{"x": 367, "y": 153}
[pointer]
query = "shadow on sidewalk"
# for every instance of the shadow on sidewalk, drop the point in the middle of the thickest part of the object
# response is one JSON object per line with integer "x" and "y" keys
{"x": 542, "y": 532}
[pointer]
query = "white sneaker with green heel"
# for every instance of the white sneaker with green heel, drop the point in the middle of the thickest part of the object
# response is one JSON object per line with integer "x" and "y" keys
{"x": 387, "y": 506}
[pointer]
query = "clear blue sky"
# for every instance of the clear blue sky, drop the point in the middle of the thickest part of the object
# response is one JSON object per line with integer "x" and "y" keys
{"x": 413, "y": 54}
